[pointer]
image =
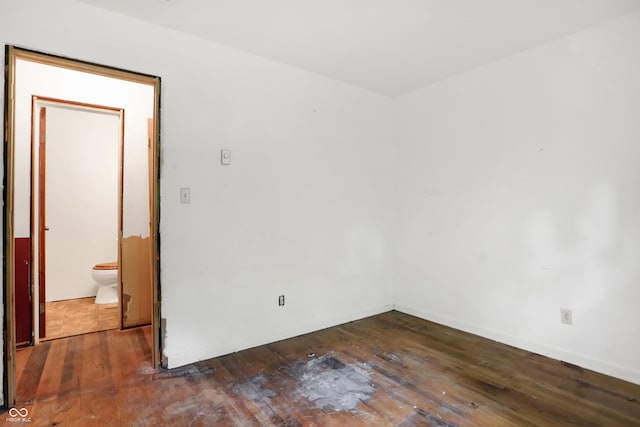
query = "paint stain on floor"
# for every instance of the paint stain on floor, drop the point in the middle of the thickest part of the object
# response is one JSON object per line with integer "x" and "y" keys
{"x": 323, "y": 382}
{"x": 209, "y": 407}
{"x": 253, "y": 389}
{"x": 332, "y": 385}
{"x": 194, "y": 370}
{"x": 422, "y": 418}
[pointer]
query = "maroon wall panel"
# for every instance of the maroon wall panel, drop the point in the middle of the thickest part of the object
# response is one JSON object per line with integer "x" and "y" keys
{"x": 22, "y": 291}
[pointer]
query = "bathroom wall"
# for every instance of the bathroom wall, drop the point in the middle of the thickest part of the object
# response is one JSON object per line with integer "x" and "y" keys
{"x": 137, "y": 101}
{"x": 520, "y": 192}
{"x": 305, "y": 208}
{"x": 82, "y": 181}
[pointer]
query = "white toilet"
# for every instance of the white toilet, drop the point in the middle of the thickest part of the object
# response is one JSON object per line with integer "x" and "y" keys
{"x": 106, "y": 276}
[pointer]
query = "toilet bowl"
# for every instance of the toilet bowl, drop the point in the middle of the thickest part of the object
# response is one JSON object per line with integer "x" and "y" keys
{"x": 106, "y": 276}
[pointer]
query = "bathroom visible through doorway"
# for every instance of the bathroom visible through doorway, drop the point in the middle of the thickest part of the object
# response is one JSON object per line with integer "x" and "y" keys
{"x": 77, "y": 155}
{"x": 136, "y": 235}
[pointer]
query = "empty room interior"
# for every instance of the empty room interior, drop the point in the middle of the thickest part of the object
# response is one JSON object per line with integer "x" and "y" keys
{"x": 344, "y": 212}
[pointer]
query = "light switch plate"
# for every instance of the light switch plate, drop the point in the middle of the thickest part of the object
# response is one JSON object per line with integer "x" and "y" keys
{"x": 225, "y": 157}
{"x": 185, "y": 195}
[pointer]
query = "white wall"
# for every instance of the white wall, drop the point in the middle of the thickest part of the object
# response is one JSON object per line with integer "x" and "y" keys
{"x": 302, "y": 211}
{"x": 82, "y": 181}
{"x": 520, "y": 192}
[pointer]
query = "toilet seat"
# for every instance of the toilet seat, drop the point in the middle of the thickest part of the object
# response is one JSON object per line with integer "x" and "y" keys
{"x": 106, "y": 266}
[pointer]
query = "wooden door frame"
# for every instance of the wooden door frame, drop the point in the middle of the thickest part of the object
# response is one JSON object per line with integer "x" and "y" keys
{"x": 12, "y": 54}
{"x": 38, "y": 223}
{"x": 40, "y": 202}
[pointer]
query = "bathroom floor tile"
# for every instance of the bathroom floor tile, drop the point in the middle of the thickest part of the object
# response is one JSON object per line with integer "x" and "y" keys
{"x": 79, "y": 316}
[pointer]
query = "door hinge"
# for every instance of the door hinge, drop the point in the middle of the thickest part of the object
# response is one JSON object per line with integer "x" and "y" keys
{"x": 41, "y": 308}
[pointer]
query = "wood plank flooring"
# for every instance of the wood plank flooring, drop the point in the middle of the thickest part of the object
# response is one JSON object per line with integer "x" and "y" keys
{"x": 387, "y": 370}
{"x": 79, "y": 316}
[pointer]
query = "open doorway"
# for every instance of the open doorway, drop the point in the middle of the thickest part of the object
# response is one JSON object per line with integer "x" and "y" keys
{"x": 137, "y": 250}
{"x": 76, "y": 211}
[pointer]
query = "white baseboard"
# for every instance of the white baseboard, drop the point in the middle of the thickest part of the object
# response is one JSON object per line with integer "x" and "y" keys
{"x": 621, "y": 372}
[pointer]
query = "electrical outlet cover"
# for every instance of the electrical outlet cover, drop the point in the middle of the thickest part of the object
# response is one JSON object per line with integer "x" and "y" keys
{"x": 566, "y": 316}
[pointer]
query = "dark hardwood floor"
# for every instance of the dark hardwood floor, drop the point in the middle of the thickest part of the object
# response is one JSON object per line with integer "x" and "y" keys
{"x": 387, "y": 370}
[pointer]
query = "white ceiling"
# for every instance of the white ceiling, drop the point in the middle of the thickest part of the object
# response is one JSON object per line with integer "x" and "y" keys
{"x": 387, "y": 46}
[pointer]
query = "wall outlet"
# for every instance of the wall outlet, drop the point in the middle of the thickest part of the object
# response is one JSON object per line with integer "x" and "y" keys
{"x": 281, "y": 300}
{"x": 566, "y": 316}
